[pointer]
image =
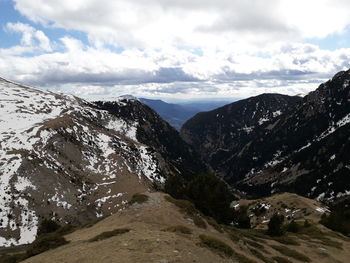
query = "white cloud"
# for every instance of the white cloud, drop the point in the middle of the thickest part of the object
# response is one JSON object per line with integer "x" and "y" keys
{"x": 32, "y": 40}
{"x": 87, "y": 71}
{"x": 223, "y": 24}
{"x": 178, "y": 48}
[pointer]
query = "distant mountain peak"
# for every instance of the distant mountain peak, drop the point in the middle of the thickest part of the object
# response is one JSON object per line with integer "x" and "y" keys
{"x": 115, "y": 99}
{"x": 128, "y": 97}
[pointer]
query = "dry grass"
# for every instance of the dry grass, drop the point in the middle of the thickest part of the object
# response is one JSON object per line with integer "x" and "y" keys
{"x": 223, "y": 249}
{"x": 189, "y": 209}
{"x": 291, "y": 253}
{"x": 312, "y": 232}
{"x": 109, "y": 234}
{"x": 92, "y": 223}
{"x": 260, "y": 256}
{"x": 281, "y": 260}
{"x": 286, "y": 240}
{"x": 13, "y": 258}
{"x": 216, "y": 245}
{"x": 179, "y": 229}
{"x": 243, "y": 259}
{"x": 254, "y": 244}
{"x": 211, "y": 221}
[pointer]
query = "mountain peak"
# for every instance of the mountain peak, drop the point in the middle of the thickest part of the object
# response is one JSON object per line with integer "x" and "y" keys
{"x": 128, "y": 97}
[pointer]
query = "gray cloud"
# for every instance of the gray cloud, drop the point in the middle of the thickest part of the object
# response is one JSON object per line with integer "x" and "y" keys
{"x": 62, "y": 76}
{"x": 282, "y": 74}
{"x": 89, "y": 71}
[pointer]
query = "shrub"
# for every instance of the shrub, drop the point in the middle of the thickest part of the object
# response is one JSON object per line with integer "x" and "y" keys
{"x": 217, "y": 245}
{"x": 235, "y": 237}
{"x": 66, "y": 229}
{"x": 209, "y": 194}
{"x": 179, "y": 229}
{"x": 48, "y": 226}
{"x": 176, "y": 186}
{"x": 139, "y": 198}
{"x": 212, "y": 197}
{"x": 198, "y": 221}
{"x": 275, "y": 225}
{"x": 307, "y": 223}
{"x": 44, "y": 243}
{"x": 338, "y": 220}
{"x": 109, "y": 234}
{"x": 293, "y": 227}
{"x": 243, "y": 220}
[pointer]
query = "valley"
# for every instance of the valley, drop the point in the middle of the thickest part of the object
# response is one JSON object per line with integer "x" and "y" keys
{"x": 74, "y": 162}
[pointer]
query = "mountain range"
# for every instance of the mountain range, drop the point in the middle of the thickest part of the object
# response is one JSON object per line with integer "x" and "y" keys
{"x": 177, "y": 114}
{"x": 69, "y": 160}
{"x": 274, "y": 143}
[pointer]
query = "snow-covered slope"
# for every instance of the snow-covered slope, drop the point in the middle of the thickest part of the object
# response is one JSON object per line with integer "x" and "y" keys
{"x": 62, "y": 158}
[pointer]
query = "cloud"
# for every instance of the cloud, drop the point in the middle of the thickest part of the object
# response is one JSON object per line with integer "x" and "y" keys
{"x": 32, "y": 40}
{"x": 91, "y": 71}
{"x": 177, "y": 48}
{"x": 218, "y": 24}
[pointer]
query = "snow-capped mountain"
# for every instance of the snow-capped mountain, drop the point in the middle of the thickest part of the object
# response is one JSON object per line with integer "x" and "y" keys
{"x": 64, "y": 158}
{"x": 305, "y": 149}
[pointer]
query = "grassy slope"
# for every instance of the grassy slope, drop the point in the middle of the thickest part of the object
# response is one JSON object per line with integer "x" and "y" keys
{"x": 152, "y": 239}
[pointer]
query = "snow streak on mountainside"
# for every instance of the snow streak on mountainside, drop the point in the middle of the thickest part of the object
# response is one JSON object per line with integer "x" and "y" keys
{"x": 304, "y": 149}
{"x": 153, "y": 131}
{"x": 219, "y": 132}
{"x": 308, "y": 148}
{"x": 60, "y": 158}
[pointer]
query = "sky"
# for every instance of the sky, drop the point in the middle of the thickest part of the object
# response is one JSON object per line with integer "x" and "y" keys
{"x": 174, "y": 49}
